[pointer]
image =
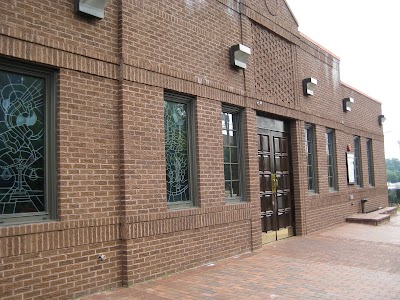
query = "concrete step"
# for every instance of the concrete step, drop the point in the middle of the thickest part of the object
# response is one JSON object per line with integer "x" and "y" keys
{"x": 377, "y": 217}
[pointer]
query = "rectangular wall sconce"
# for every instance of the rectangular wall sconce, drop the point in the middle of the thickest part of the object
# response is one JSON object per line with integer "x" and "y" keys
{"x": 347, "y": 103}
{"x": 238, "y": 55}
{"x": 381, "y": 119}
{"x": 309, "y": 85}
{"x": 93, "y": 8}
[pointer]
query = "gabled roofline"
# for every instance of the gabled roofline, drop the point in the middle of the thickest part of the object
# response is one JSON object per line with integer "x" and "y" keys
{"x": 358, "y": 91}
{"x": 291, "y": 12}
{"x": 318, "y": 45}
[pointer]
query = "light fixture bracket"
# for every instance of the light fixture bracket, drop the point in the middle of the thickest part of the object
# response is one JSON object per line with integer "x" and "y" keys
{"x": 92, "y": 8}
{"x": 309, "y": 85}
{"x": 238, "y": 55}
{"x": 381, "y": 119}
{"x": 347, "y": 104}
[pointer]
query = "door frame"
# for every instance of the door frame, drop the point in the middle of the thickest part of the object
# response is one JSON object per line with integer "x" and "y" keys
{"x": 283, "y": 125}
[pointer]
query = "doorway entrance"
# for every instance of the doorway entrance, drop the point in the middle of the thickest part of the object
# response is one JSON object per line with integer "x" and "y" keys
{"x": 275, "y": 179}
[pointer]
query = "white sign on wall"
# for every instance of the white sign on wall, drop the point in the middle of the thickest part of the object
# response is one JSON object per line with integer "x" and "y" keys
{"x": 350, "y": 167}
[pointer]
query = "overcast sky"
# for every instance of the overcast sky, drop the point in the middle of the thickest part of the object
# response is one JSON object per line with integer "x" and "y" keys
{"x": 365, "y": 35}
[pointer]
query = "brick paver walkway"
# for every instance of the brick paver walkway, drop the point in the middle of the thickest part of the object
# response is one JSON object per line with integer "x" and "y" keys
{"x": 350, "y": 261}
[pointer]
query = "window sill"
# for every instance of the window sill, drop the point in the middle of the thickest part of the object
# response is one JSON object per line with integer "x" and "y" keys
{"x": 180, "y": 206}
{"x": 234, "y": 201}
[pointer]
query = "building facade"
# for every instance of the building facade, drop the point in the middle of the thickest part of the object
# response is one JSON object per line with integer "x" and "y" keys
{"x": 130, "y": 147}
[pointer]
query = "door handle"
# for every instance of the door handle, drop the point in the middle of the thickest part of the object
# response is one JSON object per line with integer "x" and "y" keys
{"x": 274, "y": 183}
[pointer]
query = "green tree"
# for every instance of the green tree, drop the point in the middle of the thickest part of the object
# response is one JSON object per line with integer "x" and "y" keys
{"x": 393, "y": 170}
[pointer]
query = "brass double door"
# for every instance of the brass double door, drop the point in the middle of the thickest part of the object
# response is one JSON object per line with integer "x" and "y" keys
{"x": 274, "y": 174}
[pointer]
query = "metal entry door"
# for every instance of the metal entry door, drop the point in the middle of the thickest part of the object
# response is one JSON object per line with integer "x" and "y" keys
{"x": 274, "y": 174}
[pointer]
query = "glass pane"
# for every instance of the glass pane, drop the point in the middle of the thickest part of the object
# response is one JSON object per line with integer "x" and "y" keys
{"x": 176, "y": 151}
{"x": 226, "y": 155}
{"x": 234, "y": 155}
{"x": 227, "y": 171}
{"x": 225, "y": 138}
{"x": 235, "y": 189}
{"x": 235, "y": 171}
{"x": 22, "y": 127}
{"x": 228, "y": 189}
{"x": 233, "y": 138}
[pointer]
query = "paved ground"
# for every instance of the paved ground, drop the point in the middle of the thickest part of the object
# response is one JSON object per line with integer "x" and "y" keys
{"x": 351, "y": 261}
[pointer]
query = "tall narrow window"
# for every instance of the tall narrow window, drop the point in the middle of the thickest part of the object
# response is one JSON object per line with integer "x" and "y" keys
{"x": 232, "y": 143}
{"x": 331, "y": 157}
{"x": 179, "y": 149}
{"x": 371, "y": 178}
{"x": 311, "y": 161}
{"x": 28, "y": 179}
{"x": 357, "y": 161}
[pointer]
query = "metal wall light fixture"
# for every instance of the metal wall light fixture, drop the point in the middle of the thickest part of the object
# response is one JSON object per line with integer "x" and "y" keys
{"x": 238, "y": 55}
{"x": 309, "y": 85}
{"x": 381, "y": 119}
{"x": 93, "y": 8}
{"x": 347, "y": 103}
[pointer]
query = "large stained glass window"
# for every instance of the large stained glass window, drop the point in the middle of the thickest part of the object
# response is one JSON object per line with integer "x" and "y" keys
{"x": 177, "y": 125}
{"x": 23, "y": 98}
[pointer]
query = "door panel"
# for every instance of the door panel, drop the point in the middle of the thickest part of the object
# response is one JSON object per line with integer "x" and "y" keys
{"x": 274, "y": 175}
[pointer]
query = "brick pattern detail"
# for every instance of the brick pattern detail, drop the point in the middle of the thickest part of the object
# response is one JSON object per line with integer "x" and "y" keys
{"x": 276, "y": 11}
{"x": 210, "y": 154}
{"x": 56, "y": 25}
{"x": 88, "y": 150}
{"x": 156, "y": 256}
{"x": 62, "y": 273}
{"x": 179, "y": 35}
{"x": 273, "y": 68}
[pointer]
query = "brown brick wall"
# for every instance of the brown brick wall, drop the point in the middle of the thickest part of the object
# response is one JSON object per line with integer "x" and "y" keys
{"x": 59, "y": 260}
{"x": 54, "y": 24}
{"x": 88, "y": 146}
{"x": 161, "y": 255}
{"x": 112, "y": 77}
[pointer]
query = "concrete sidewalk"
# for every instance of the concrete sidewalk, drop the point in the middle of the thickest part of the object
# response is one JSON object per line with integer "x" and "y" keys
{"x": 350, "y": 261}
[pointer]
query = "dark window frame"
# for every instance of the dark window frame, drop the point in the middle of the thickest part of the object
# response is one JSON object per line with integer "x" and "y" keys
{"x": 172, "y": 96}
{"x": 226, "y": 109}
{"x": 331, "y": 159}
{"x": 357, "y": 162}
{"x": 50, "y": 76}
{"x": 310, "y": 132}
{"x": 370, "y": 157}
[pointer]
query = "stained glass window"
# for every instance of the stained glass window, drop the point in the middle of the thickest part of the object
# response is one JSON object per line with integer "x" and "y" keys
{"x": 21, "y": 143}
{"x": 24, "y": 188}
{"x": 177, "y": 125}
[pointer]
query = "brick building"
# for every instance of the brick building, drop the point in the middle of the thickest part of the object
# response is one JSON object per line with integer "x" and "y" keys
{"x": 133, "y": 137}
